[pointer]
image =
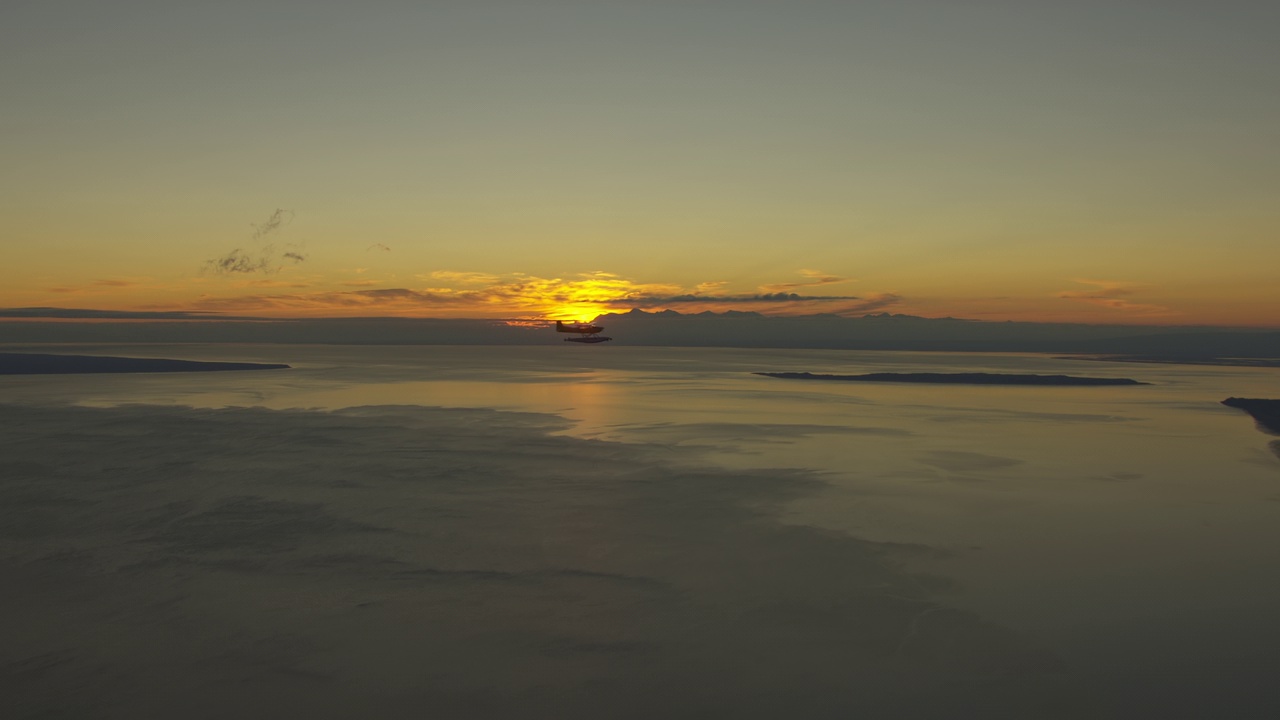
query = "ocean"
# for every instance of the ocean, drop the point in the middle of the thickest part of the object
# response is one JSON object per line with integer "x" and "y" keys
{"x": 636, "y": 531}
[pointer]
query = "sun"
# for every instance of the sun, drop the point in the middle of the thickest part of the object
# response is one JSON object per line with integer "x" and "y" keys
{"x": 576, "y": 312}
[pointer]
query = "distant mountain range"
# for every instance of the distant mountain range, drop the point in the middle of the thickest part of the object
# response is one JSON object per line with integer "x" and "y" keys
{"x": 907, "y": 332}
{"x": 729, "y": 329}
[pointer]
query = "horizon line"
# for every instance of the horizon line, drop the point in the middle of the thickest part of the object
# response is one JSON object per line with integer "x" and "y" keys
{"x": 81, "y": 315}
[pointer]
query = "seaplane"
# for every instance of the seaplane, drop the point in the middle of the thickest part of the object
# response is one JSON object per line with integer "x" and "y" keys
{"x": 584, "y": 332}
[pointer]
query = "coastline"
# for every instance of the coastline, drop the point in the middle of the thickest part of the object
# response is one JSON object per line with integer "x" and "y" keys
{"x": 1266, "y": 413}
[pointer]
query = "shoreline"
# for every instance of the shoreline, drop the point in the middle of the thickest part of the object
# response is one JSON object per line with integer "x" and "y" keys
{"x": 1265, "y": 413}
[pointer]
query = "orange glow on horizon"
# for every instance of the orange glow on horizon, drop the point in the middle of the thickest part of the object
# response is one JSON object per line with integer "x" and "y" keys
{"x": 520, "y": 297}
{"x": 580, "y": 312}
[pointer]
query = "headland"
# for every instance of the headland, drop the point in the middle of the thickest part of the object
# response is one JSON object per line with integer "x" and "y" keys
{"x": 1266, "y": 413}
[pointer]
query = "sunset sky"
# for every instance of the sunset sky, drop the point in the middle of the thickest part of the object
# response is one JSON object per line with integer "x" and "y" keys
{"x": 1062, "y": 161}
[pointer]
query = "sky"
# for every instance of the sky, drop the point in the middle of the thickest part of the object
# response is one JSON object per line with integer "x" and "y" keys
{"x": 1093, "y": 162}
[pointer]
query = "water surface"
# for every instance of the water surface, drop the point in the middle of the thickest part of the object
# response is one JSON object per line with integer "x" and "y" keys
{"x": 1132, "y": 532}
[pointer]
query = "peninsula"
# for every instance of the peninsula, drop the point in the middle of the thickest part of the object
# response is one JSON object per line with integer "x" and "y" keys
{"x": 46, "y": 364}
{"x": 1266, "y": 413}
{"x": 958, "y": 378}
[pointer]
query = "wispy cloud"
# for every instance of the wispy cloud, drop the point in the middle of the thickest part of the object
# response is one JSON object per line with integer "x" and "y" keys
{"x": 97, "y": 286}
{"x": 278, "y": 219}
{"x": 469, "y": 278}
{"x": 778, "y": 297}
{"x": 277, "y": 284}
{"x": 378, "y": 246}
{"x": 780, "y": 303}
{"x": 471, "y": 294}
{"x": 264, "y": 256}
{"x": 1111, "y": 294}
{"x": 815, "y": 279}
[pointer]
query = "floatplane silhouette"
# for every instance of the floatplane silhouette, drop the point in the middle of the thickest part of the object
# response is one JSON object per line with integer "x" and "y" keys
{"x": 586, "y": 332}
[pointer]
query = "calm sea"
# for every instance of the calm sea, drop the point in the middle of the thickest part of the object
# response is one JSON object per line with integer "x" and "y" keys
{"x": 1120, "y": 526}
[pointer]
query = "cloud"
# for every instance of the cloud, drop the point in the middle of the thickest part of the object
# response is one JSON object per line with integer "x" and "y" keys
{"x": 819, "y": 275}
{"x": 237, "y": 261}
{"x": 1110, "y": 294}
{"x": 383, "y": 301}
{"x": 815, "y": 278}
{"x": 276, "y": 284}
{"x": 278, "y": 218}
{"x": 769, "y": 303}
{"x": 458, "y": 293}
{"x": 647, "y": 301}
{"x": 464, "y": 277}
{"x": 94, "y": 287}
{"x": 777, "y": 298}
{"x": 468, "y": 294}
{"x": 877, "y": 301}
{"x": 378, "y": 246}
{"x": 264, "y": 257}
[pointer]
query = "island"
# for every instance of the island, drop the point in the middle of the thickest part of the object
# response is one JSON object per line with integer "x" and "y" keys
{"x": 958, "y": 378}
{"x": 1266, "y": 413}
{"x": 46, "y": 364}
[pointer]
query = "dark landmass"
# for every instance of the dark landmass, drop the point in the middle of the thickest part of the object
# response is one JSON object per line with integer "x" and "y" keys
{"x": 41, "y": 364}
{"x": 53, "y": 313}
{"x": 1266, "y": 413}
{"x": 885, "y": 331}
{"x": 326, "y": 331}
{"x": 1223, "y": 361}
{"x": 667, "y": 328}
{"x": 959, "y": 378}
